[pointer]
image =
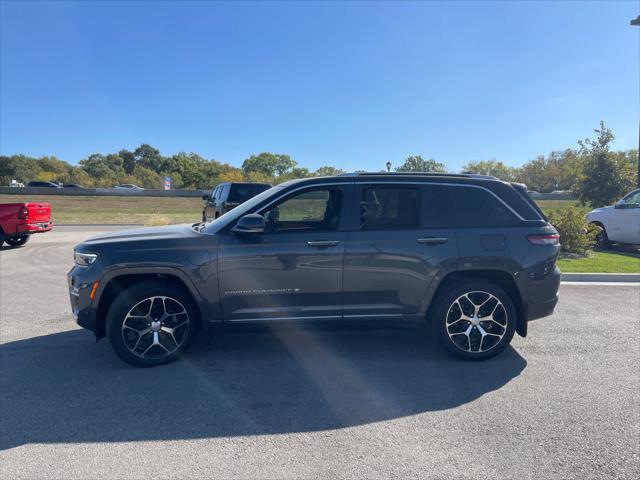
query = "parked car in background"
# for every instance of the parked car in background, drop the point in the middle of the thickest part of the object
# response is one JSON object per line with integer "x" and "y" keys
{"x": 619, "y": 223}
{"x": 16, "y": 184}
{"x": 227, "y": 196}
{"x": 20, "y": 220}
{"x": 44, "y": 184}
{"x": 72, "y": 185}
{"x": 127, "y": 186}
{"x": 472, "y": 256}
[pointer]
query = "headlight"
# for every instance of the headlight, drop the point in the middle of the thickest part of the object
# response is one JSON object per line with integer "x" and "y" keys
{"x": 84, "y": 259}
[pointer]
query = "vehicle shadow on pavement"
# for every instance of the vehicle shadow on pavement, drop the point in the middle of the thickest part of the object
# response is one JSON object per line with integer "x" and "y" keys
{"x": 63, "y": 388}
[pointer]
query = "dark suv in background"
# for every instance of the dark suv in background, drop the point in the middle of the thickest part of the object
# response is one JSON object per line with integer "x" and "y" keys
{"x": 227, "y": 196}
{"x": 471, "y": 255}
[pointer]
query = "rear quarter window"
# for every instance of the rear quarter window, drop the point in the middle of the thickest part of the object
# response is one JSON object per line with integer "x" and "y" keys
{"x": 472, "y": 207}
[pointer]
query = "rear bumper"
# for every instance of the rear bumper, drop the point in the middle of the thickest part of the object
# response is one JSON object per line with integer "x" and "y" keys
{"x": 541, "y": 309}
{"x": 542, "y": 295}
{"x": 36, "y": 227}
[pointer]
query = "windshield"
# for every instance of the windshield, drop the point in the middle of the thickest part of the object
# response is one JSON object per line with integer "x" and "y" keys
{"x": 633, "y": 197}
{"x": 224, "y": 220}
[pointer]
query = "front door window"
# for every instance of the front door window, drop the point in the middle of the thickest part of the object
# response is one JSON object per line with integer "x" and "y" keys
{"x": 313, "y": 210}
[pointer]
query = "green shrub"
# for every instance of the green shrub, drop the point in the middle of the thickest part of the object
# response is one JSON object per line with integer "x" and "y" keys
{"x": 576, "y": 236}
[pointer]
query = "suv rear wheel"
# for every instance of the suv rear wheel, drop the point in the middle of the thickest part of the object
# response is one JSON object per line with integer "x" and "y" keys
{"x": 150, "y": 323}
{"x": 475, "y": 320}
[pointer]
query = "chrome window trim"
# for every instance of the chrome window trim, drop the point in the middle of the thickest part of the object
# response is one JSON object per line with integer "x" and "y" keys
{"x": 287, "y": 193}
{"x": 447, "y": 184}
{"x": 380, "y": 182}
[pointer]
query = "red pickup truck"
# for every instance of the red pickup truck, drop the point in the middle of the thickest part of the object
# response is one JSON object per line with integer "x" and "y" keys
{"x": 19, "y": 220}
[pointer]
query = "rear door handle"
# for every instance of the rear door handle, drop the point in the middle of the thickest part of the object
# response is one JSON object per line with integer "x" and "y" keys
{"x": 432, "y": 240}
{"x": 323, "y": 243}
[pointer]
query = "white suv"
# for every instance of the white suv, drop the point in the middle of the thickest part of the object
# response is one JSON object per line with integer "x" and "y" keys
{"x": 620, "y": 222}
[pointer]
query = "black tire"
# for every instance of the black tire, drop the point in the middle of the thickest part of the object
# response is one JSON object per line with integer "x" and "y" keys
{"x": 122, "y": 338}
{"x": 602, "y": 239}
{"x": 17, "y": 241}
{"x": 447, "y": 328}
{"x": 204, "y": 216}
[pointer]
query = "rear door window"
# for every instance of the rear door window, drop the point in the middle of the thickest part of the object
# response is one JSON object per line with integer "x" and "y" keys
{"x": 433, "y": 207}
{"x": 390, "y": 208}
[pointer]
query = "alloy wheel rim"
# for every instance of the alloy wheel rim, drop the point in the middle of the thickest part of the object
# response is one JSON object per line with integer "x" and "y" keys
{"x": 155, "y": 327}
{"x": 476, "y": 321}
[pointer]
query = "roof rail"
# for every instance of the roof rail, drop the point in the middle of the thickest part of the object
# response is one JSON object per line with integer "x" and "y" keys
{"x": 430, "y": 174}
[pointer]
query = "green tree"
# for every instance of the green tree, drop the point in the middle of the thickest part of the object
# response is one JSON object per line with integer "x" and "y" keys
{"x": 556, "y": 171}
{"x": 416, "y": 163}
{"x": 53, "y": 165}
{"x": 147, "y": 178}
{"x": 96, "y": 166}
{"x": 491, "y": 167}
{"x": 258, "y": 177}
{"x": 191, "y": 167}
{"x": 78, "y": 175}
{"x": 149, "y": 157}
{"x": 18, "y": 167}
{"x": 535, "y": 175}
{"x": 327, "y": 171}
{"x": 604, "y": 175}
{"x": 128, "y": 160}
{"x": 270, "y": 164}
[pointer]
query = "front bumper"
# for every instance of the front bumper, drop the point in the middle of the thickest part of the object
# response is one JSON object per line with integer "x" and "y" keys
{"x": 80, "y": 283}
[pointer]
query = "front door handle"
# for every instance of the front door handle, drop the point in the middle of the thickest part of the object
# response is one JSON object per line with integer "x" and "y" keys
{"x": 432, "y": 240}
{"x": 323, "y": 243}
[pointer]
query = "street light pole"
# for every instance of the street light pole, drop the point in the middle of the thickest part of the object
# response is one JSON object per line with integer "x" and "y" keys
{"x": 388, "y": 165}
{"x": 636, "y": 23}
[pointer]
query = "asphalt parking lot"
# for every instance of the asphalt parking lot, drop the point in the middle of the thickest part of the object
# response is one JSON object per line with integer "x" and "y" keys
{"x": 562, "y": 403}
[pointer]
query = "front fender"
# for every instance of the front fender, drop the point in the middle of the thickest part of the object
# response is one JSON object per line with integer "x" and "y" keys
{"x": 204, "y": 302}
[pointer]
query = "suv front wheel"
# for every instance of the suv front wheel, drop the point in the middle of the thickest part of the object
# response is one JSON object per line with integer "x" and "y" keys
{"x": 475, "y": 320}
{"x": 150, "y": 323}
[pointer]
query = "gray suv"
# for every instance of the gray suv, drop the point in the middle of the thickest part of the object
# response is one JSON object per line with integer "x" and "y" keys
{"x": 471, "y": 256}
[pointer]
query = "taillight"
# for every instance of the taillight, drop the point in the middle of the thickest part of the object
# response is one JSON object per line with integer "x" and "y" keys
{"x": 23, "y": 213}
{"x": 546, "y": 239}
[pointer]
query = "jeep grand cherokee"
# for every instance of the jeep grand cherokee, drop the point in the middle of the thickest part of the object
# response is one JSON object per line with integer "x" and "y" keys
{"x": 471, "y": 255}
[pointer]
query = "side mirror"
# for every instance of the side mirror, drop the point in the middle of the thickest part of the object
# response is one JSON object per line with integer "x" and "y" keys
{"x": 206, "y": 196}
{"x": 620, "y": 204}
{"x": 252, "y": 223}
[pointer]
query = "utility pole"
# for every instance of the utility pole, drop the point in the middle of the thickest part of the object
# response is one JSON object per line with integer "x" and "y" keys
{"x": 636, "y": 23}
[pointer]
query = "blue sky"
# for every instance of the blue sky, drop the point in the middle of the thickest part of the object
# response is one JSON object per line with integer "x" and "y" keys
{"x": 346, "y": 84}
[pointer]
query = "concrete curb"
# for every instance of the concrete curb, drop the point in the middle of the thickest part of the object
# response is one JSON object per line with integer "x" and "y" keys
{"x": 601, "y": 277}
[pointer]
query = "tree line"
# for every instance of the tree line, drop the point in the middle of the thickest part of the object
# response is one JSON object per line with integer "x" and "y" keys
{"x": 594, "y": 172}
